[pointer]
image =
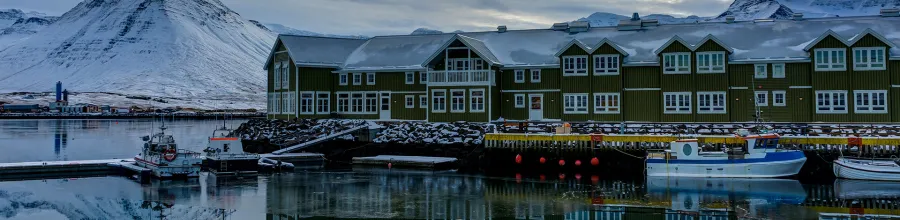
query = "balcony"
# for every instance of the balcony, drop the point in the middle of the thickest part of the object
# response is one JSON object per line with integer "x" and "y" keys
{"x": 460, "y": 78}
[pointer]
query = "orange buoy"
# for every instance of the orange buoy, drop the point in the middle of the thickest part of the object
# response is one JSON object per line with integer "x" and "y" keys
{"x": 578, "y": 176}
{"x": 543, "y": 160}
{"x": 518, "y": 158}
{"x": 577, "y": 163}
{"x": 562, "y": 176}
{"x": 595, "y": 161}
{"x": 389, "y": 165}
{"x": 562, "y": 162}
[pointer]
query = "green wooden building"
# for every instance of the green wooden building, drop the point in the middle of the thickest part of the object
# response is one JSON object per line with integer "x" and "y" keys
{"x": 843, "y": 69}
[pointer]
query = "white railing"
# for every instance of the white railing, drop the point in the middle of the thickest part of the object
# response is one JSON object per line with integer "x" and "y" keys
{"x": 463, "y": 77}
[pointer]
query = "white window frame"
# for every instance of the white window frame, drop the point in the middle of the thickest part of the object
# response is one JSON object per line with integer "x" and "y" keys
{"x": 307, "y": 105}
{"x": 516, "y": 99}
{"x": 460, "y": 105}
{"x": 710, "y": 62}
{"x": 343, "y": 79}
{"x": 826, "y": 59}
{"x": 611, "y": 66}
{"x": 825, "y": 104}
{"x": 765, "y": 100}
{"x": 439, "y": 102}
{"x": 681, "y": 103}
{"x": 717, "y": 102}
{"x": 286, "y": 102}
{"x": 370, "y": 78}
{"x": 778, "y": 70}
{"x": 423, "y": 77}
{"x": 760, "y": 71}
{"x": 783, "y": 101}
{"x": 612, "y": 105}
{"x": 285, "y": 75}
{"x": 535, "y": 75}
{"x": 519, "y": 76}
{"x": 476, "y": 103}
{"x": 357, "y": 79}
{"x": 423, "y": 101}
{"x": 269, "y": 103}
{"x": 276, "y": 104}
{"x": 410, "y": 101}
{"x": 410, "y": 78}
{"x": 864, "y": 101}
{"x": 678, "y": 65}
{"x": 575, "y": 65}
{"x": 276, "y": 79}
{"x": 575, "y": 103}
{"x": 866, "y": 62}
{"x": 323, "y": 102}
{"x": 371, "y": 103}
{"x": 343, "y": 103}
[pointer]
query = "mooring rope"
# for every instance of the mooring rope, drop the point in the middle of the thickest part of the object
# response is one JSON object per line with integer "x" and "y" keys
{"x": 623, "y": 152}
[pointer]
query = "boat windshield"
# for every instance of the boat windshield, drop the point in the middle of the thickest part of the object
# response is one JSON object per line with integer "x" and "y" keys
{"x": 766, "y": 143}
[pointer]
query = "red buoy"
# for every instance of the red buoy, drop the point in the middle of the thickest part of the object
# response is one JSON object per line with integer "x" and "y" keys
{"x": 595, "y": 179}
{"x": 562, "y": 176}
{"x": 595, "y": 161}
{"x": 578, "y": 176}
{"x": 543, "y": 160}
{"x": 518, "y": 178}
{"x": 562, "y": 162}
{"x": 542, "y": 177}
{"x": 577, "y": 163}
{"x": 389, "y": 165}
{"x": 518, "y": 158}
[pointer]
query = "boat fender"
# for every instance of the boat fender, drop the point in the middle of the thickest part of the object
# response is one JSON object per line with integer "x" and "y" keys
{"x": 562, "y": 162}
{"x": 518, "y": 158}
{"x": 543, "y": 160}
{"x": 595, "y": 161}
{"x": 577, "y": 163}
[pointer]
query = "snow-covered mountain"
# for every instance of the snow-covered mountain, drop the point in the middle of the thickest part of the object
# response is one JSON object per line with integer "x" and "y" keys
{"x": 757, "y": 9}
{"x": 16, "y": 25}
{"x": 603, "y": 19}
{"x": 421, "y": 31}
{"x": 171, "y": 48}
{"x": 831, "y": 8}
{"x": 281, "y": 29}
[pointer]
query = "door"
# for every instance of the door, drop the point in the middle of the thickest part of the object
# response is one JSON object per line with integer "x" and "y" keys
{"x": 385, "y": 113}
{"x": 536, "y": 109}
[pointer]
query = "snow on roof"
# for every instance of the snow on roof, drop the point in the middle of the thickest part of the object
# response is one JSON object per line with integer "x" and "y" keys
{"x": 317, "y": 51}
{"x": 395, "y": 52}
{"x": 479, "y": 48}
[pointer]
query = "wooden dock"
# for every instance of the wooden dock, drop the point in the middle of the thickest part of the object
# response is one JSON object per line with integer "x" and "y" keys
{"x": 407, "y": 161}
{"x": 297, "y": 158}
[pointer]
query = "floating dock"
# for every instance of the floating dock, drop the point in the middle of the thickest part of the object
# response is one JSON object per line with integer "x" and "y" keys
{"x": 297, "y": 158}
{"x": 435, "y": 163}
{"x": 48, "y": 169}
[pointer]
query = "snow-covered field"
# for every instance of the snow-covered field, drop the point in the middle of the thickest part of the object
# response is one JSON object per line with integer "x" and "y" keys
{"x": 120, "y": 100}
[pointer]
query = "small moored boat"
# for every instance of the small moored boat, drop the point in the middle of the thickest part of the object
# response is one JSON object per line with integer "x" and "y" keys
{"x": 161, "y": 155}
{"x": 225, "y": 155}
{"x": 866, "y": 169}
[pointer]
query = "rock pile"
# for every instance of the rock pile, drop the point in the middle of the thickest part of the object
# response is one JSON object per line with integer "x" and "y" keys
{"x": 290, "y": 132}
{"x": 433, "y": 133}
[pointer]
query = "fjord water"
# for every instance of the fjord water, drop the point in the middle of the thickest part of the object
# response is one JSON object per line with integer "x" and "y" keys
{"x": 355, "y": 192}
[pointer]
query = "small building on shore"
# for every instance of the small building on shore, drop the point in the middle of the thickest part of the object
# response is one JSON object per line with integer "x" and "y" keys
{"x": 10, "y": 108}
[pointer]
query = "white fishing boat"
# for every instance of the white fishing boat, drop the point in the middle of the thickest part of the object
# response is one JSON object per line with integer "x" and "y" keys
{"x": 759, "y": 158}
{"x": 224, "y": 154}
{"x": 866, "y": 169}
{"x": 161, "y": 155}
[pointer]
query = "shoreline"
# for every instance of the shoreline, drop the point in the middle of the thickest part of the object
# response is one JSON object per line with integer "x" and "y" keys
{"x": 133, "y": 116}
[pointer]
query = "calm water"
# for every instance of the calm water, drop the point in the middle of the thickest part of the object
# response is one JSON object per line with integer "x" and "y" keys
{"x": 389, "y": 194}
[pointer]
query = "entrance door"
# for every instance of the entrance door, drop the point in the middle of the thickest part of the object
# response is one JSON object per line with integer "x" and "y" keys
{"x": 385, "y": 106}
{"x": 536, "y": 109}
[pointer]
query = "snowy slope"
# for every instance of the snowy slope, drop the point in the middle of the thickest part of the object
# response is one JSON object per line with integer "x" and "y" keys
{"x": 603, "y": 19}
{"x": 831, "y": 8}
{"x": 16, "y": 25}
{"x": 281, "y": 29}
{"x": 757, "y": 9}
{"x": 172, "y": 48}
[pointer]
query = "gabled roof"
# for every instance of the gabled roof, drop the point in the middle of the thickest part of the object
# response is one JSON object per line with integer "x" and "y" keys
{"x": 315, "y": 51}
{"x": 710, "y": 37}
{"x": 570, "y": 44}
{"x": 672, "y": 40}
{"x": 478, "y": 46}
{"x": 875, "y": 34}
{"x": 612, "y": 44}
{"x": 822, "y": 37}
{"x": 401, "y": 52}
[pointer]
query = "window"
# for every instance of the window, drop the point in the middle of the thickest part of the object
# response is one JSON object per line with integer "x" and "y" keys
{"x": 277, "y": 78}
{"x": 711, "y": 62}
{"x": 868, "y": 58}
{"x": 519, "y": 76}
{"x": 677, "y": 103}
{"x": 269, "y": 103}
{"x": 357, "y": 79}
{"x": 520, "y": 100}
{"x": 439, "y": 101}
{"x": 410, "y": 101}
{"x": 760, "y": 71}
{"x": 423, "y": 77}
{"x": 606, "y": 103}
{"x": 457, "y": 100}
{"x": 285, "y": 75}
{"x": 575, "y": 65}
{"x": 276, "y": 102}
{"x": 356, "y": 103}
{"x": 410, "y": 78}
{"x": 779, "y": 98}
{"x": 536, "y": 76}
{"x": 762, "y": 98}
{"x": 575, "y": 103}
{"x": 778, "y": 70}
{"x": 342, "y": 79}
{"x": 423, "y": 101}
{"x": 371, "y": 102}
{"x": 830, "y": 60}
{"x": 711, "y": 102}
{"x": 307, "y": 100}
{"x": 606, "y": 64}
{"x": 343, "y": 102}
{"x": 871, "y": 101}
{"x": 831, "y": 102}
{"x": 476, "y": 100}
{"x": 677, "y": 63}
{"x": 370, "y": 78}
{"x": 479, "y": 64}
{"x": 286, "y": 102}
{"x": 323, "y": 101}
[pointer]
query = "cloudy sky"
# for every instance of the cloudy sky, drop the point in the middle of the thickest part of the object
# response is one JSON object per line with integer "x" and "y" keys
{"x": 381, "y": 17}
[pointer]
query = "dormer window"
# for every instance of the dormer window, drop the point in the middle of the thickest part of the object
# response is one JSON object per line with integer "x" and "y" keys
{"x": 677, "y": 63}
{"x": 606, "y": 64}
{"x": 832, "y": 59}
{"x": 711, "y": 62}
{"x": 575, "y": 65}
{"x": 868, "y": 58}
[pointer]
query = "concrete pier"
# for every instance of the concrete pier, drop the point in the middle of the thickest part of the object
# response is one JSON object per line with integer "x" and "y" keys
{"x": 407, "y": 161}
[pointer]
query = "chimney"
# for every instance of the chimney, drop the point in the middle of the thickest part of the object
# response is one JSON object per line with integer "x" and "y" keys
{"x": 635, "y": 17}
{"x": 798, "y": 16}
{"x": 890, "y": 12}
{"x": 58, "y": 91}
{"x": 501, "y": 29}
{"x": 729, "y": 19}
{"x": 66, "y": 95}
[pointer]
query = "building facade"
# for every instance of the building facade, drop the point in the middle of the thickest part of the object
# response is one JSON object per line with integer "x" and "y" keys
{"x": 801, "y": 70}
